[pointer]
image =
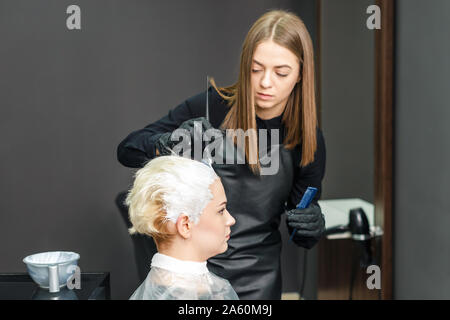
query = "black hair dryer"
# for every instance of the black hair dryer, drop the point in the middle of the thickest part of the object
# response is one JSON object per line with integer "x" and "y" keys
{"x": 359, "y": 227}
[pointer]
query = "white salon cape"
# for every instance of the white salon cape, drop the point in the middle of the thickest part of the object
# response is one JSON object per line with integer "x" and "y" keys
{"x": 173, "y": 279}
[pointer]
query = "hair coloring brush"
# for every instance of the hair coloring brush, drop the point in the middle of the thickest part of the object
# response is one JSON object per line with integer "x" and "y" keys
{"x": 208, "y": 160}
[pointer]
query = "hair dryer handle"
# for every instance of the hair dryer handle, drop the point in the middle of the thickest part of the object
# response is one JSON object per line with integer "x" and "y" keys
{"x": 336, "y": 229}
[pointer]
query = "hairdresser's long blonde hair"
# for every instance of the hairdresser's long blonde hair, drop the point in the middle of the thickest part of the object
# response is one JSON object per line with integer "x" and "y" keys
{"x": 300, "y": 119}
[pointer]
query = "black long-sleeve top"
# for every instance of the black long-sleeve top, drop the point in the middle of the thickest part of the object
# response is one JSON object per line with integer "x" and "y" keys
{"x": 139, "y": 146}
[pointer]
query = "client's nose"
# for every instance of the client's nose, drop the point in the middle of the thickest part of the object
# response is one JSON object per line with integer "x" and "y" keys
{"x": 230, "y": 220}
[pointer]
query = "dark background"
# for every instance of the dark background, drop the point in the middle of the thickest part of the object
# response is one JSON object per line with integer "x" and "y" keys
{"x": 422, "y": 154}
{"x": 67, "y": 98}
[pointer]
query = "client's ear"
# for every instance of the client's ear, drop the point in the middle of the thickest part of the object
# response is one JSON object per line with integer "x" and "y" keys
{"x": 184, "y": 226}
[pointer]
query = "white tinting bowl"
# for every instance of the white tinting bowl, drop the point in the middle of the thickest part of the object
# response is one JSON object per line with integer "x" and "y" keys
{"x": 37, "y": 266}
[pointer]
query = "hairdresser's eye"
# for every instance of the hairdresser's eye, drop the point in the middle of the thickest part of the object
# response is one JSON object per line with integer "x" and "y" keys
{"x": 253, "y": 70}
{"x": 282, "y": 75}
{"x": 222, "y": 211}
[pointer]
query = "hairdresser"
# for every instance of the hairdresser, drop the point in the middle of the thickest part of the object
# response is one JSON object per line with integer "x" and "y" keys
{"x": 274, "y": 91}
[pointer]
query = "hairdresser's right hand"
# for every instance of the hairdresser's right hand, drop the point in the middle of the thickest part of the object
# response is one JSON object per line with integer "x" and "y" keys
{"x": 169, "y": 140}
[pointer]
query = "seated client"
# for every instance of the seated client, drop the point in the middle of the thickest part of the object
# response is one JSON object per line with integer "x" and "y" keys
{"x": 181, "y": 203}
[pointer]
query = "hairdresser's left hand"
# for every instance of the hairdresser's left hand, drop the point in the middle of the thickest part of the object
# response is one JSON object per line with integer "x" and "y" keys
{"x": 310, "y": 225}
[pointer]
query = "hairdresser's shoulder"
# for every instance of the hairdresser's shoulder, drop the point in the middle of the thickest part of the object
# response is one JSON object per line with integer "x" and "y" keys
{"x": 320, "y": 137}
{"x": 217, "y": 106}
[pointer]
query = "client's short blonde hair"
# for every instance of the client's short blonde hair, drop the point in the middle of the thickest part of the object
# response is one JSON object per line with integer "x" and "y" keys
{"x": 163, "y": 189}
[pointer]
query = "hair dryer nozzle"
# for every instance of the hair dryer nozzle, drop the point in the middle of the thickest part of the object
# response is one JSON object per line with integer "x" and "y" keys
{"x": 359, "y": 224}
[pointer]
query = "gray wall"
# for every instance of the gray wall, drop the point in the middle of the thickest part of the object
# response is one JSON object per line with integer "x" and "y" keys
{"x": 347, "y": 93}
{"x": 422, "y": 152}
{"x": 348, "y": 71}
{"x": 69, "y": 97}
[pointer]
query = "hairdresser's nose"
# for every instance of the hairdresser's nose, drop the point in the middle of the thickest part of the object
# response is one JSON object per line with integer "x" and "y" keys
{"x": 266, "y": 81}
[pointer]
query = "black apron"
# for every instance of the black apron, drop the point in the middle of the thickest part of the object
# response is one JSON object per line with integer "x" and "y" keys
{"x": 252, "y": 260}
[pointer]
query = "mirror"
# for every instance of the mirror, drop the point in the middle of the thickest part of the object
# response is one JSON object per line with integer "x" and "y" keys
{"x": 71, "y": 95}
{"x": 354, "y": 108}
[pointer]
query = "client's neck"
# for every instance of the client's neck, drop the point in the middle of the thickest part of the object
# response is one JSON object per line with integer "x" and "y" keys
{"x": 181, "y": 251}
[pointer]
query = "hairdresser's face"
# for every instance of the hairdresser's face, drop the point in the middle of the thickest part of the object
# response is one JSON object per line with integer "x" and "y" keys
{"x": 275, "y": 72}
{"x": 212, "y": 232}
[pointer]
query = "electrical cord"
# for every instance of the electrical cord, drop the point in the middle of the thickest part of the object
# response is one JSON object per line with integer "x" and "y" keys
{"x": 353, "y": 272}
{"x": 302, "y": 288}
{"x": 355, "y": 263}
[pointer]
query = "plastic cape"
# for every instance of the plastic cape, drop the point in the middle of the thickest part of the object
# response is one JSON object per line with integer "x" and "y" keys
{"x": 173, "y": 279}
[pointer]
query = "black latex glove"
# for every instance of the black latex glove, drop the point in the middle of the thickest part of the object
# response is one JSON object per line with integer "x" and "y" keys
{"x": 310, "y": 225}
{"x": 168, "y": 140}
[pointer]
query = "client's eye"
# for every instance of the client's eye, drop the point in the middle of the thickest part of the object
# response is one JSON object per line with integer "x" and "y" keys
{"x": 222, "y": 211}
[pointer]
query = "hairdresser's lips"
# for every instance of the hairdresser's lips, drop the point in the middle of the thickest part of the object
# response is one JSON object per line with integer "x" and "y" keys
{"x": 264, "y": 96}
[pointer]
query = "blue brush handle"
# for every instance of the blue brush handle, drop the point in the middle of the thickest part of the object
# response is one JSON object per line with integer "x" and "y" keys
{"x": 304, "y": 203}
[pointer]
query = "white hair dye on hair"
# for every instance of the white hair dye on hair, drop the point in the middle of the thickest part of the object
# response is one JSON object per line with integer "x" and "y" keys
{"x": 190, "y": 183}
{"x": 180, "y": 184}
